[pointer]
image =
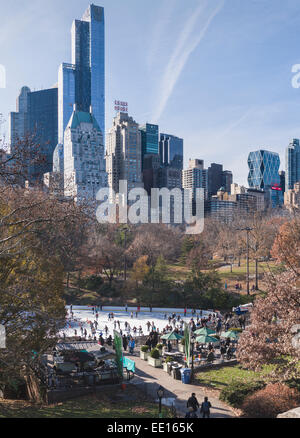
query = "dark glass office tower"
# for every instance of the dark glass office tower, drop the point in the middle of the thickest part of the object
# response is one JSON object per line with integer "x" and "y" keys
{"x": 83, "y": 81}
{"x": 215, "y": 178}
{"x": 171, "y": 151}
{"x": 36, "y": 118}
{"x": 149, "y": 137}
{"x": 42, "y": 122}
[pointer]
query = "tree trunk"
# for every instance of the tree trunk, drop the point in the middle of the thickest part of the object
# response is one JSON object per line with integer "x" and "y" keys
{"x": 33, "y": 386}
{"x": 256, "y": 274}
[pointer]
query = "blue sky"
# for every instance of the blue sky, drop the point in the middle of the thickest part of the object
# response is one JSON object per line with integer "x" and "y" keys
{"x": 215, "y": 72}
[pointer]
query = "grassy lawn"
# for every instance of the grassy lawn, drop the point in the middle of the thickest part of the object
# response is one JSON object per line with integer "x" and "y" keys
{"x": 218, "y": 379}
{"x": 178, "y": 272}
{"x": 86, "y": 407}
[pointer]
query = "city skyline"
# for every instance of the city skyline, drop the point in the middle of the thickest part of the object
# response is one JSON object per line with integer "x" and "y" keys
{"x": 236, "y": 101}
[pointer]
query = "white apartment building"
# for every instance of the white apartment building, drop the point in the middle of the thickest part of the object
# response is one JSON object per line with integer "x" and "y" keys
{"x": 84, "y": 161}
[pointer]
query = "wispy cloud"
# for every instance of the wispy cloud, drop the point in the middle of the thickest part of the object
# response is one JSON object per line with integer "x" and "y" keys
{"x": 185, "y": 46}
{"x": 162, "y": 23}
{"x": 235, "y": 123}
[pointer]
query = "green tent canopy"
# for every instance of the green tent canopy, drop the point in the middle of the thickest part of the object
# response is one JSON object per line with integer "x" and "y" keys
{"x": 206, "y": 339}
{"x": 205, "y": 331}
{"x": 230, "y": 334}
{"x": 172, "y": 336}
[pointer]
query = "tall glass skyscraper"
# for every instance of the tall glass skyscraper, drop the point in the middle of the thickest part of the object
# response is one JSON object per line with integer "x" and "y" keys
{"x": 42, "y": 124}
{"x": 36, "y": 119}
{"x": 83, "y": 81}
{"x": 264, "y": 169}
{"x": 292, "y": 164}
{"x": 150, "y": 140}
{"x": 171, "y": 151}
{"x": 264, "y": 174}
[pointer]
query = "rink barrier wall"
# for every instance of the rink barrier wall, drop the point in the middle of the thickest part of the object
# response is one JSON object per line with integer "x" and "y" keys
{"x": 144, "y": 310}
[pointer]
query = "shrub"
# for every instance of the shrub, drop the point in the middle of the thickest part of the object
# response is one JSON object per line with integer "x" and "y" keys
{"x": 92, "y": 283}
{"x": 182, "y": 341}
{"x": 293, "y": 383}
{"x": 236, "y": 392}
{"x": 274, "y": 399}
{"x": 155, "y": 353}
{"x": 168, "y": 359}
{"x": 144, "y": 348}
{"x": 159, "y": 346}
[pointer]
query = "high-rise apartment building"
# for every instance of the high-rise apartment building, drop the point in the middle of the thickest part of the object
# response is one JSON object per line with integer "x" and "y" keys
{"x": 170, "y": 178}
{"x": 82, "y": 82}
{"x": 195, "y": 177}
{"x": 84, "y": 162}
{"x": 227, "y": 180}
{"x": 217, "y": 178}
{"x": 124, "y": 153}
{"x": 292, "y": 197}
{"x": 18, "y": 121}
{"x": 282, "y": 177}
{"x": 292, "y": 164}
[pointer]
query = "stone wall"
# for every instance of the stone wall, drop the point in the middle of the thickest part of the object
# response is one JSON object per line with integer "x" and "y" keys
{"x": 294, "y": 413}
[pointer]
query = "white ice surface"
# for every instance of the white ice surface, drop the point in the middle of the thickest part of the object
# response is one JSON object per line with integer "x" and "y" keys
{"x": 85, "y": 314}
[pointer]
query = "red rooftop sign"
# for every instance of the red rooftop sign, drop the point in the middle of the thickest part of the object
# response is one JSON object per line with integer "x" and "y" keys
{"x": 121, "y": 106}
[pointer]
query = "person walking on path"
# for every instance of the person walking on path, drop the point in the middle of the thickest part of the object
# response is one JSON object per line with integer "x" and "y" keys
{"x": 131, "y": 345}
{"x": 125, "y": 342}
{"x": 193, "y": 404}
{"x": 205, "y": 408}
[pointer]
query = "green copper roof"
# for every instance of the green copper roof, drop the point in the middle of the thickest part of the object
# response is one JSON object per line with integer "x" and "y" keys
{"x": 83, "y": 117}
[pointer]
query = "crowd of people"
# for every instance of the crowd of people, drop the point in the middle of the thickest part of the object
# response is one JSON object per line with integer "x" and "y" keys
{"x": 90, "y": 329}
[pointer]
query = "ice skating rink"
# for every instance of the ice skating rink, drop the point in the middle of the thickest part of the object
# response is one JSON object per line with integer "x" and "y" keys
{"x": 84, "y": 315}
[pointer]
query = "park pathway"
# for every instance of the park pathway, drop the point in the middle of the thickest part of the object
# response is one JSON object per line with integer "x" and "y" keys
{"x": 150, "y": 379}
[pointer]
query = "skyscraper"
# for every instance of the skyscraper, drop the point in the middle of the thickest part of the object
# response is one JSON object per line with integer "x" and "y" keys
{"x": 227, "y": 180}
{"x": 193, "y": 178}
{"x": 83, "y": 81}
{"x": 263, "y": 169}
{"x": 150, "y": 140}
{"x": 215, "y": 180}
{"x": 264, "y": 174}
{"x": 36, "y": 117}
{"x": 124, "y": 153}
{"x": 42, "y": 125}
{"x": 84, "y": 162}
{"x": 171, "y": 151}
{"x": 18, "y": 121}
{"x": 292, "y": 164}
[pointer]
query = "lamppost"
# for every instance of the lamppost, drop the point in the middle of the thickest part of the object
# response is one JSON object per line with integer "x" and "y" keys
{"x": 247, "y": 229}
{"x": 126, "y": 230}
{"x": 193, "y": 340}
{"x": 160, "y": 394}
